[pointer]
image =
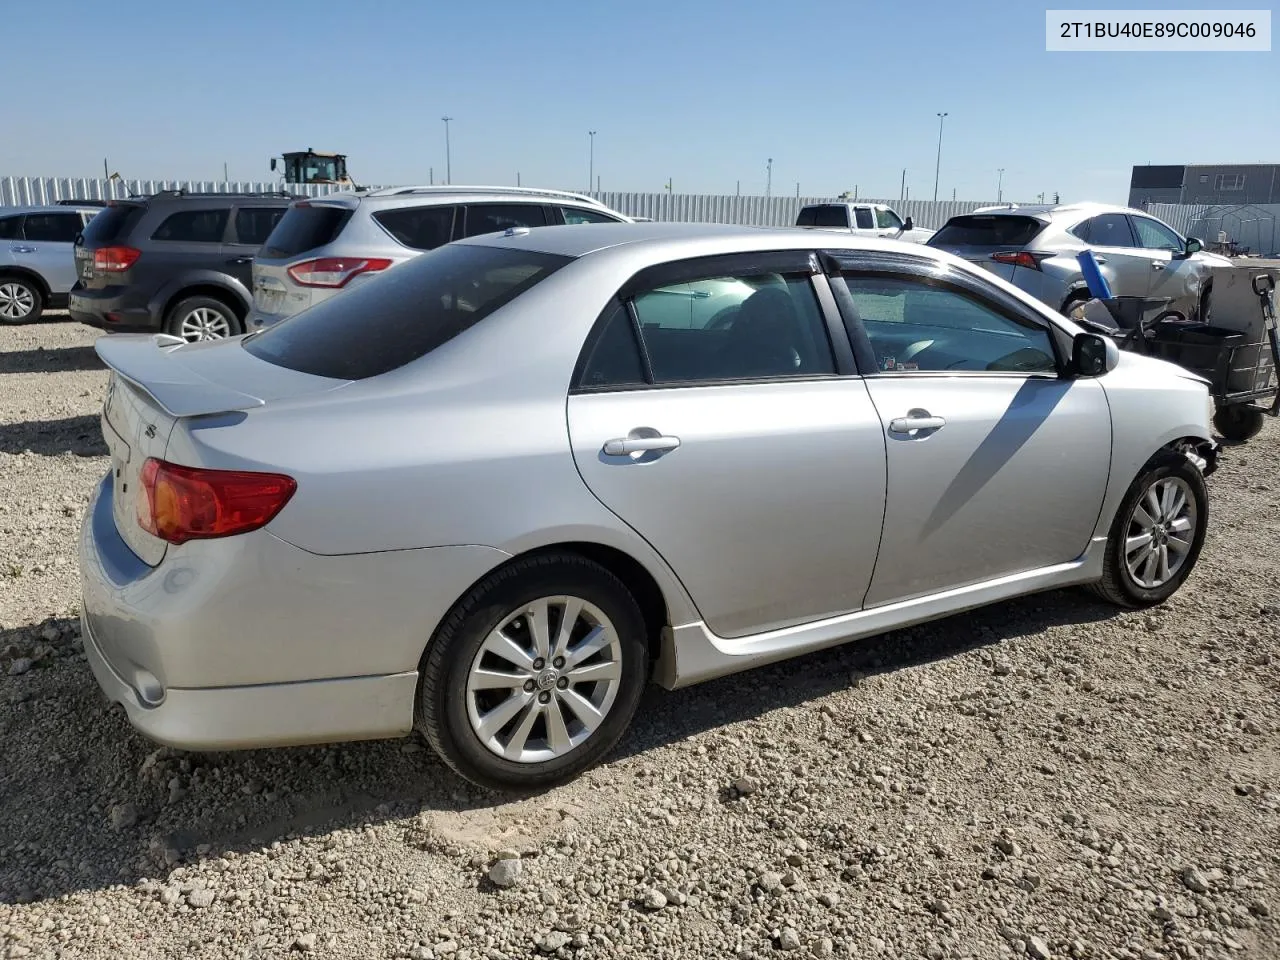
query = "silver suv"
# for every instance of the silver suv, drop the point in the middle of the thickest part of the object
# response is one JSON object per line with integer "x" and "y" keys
{"x": 37, "y": 258}
{"x": 1035, "y": 248}
{"x": 322, "y": 246}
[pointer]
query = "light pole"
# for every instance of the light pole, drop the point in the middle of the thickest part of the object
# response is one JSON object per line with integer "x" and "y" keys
{"x": 938, "y": 167}
{"x": 448, "y": 161}
{"x": 591, "y": 176}
{"x": 768, "y": 183}
{"x": 1000, "y": 185}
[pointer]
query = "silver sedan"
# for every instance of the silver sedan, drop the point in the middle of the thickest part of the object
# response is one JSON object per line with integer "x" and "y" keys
{"x": 492, "y": 493}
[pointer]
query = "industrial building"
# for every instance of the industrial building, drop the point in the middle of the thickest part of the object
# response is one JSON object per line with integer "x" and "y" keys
{"x": 1210, "y": 183}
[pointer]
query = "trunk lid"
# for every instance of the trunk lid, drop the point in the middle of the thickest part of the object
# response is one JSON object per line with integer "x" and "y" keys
{"x": 157, "y": 383}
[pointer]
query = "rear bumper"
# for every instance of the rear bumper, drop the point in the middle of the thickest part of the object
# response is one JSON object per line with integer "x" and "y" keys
{"x": 252, "y": 642}
{"x": 265, "y": 715}
{"x": 111, "y": 308}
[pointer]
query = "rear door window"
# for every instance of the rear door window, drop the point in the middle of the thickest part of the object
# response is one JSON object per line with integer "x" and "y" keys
{"x": 1109, "y": 230}
{"x": 194, "y": 226}
{"x": 495, "y": 217}
{"x": 254, "y": 224}
{"x": 422, "y": 228}
{"x": 304, "y": 227}
{"x": 396, "y": 318}
{"x": 53, "y": 227}
{"x": 862, "y": 218}
{"x": 987, "y": 231}
{"x": 581, "y": 215}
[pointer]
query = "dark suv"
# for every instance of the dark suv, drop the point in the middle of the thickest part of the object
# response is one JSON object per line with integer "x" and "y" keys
{"x": 175, "y": 261}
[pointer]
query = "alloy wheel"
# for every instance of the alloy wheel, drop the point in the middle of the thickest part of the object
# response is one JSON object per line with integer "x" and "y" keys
{"x": 1162, "y": 529}
{"x": 16, "y": 301}
{"x": 544, "y": 679}
{"x": 204, "y": 323}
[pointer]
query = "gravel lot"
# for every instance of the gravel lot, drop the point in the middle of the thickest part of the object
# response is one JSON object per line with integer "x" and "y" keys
{"x": 1046, "y": 778}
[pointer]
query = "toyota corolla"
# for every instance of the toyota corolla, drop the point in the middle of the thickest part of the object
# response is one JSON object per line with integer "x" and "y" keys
{"x": 494, "y": 492}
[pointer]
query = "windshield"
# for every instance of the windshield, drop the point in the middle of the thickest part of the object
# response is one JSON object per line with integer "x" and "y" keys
{"x": 404, "y": 314}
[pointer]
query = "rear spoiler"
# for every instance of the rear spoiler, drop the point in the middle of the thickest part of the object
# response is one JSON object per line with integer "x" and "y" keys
{"x": 150, "y": 363}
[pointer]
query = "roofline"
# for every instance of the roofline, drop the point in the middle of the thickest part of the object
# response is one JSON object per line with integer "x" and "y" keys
{"x": 451, "y": 189}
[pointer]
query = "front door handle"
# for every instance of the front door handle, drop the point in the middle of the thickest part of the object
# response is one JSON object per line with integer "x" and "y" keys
{"x": 240, "y": 260}
{"x": 1157, "y": 264}
{"x": 623, "y": 446}
{"x": 914, "y": 421}
{"x": 22, "y": 249}
{"x": 1099, "y": 259}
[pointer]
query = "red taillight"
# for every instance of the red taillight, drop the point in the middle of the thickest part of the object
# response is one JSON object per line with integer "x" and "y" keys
{"x": 333, "y": 271}
{"x": 186, "y": 503}
{"x": 1021, "y": 258}
{"x": 115, "y": 259}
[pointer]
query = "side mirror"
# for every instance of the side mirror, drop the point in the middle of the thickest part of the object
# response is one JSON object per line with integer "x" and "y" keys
{"x": 1194, "y": 245}
{"x": 273, "y": 163}
{"x": 908, "y": 224}
{"x": 1092, "y": 355}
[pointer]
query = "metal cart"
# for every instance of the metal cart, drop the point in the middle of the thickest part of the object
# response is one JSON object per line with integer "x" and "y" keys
{"x": 1238, "y": 352}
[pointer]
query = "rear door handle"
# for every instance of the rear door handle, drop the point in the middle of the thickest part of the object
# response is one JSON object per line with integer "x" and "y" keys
{"x": 22, "y": 249}
{"x": 910, "y": 424}
{"x": 1099, "y": 259}
{"x": 240, "y": 260}
{"x": 622, "y": 446}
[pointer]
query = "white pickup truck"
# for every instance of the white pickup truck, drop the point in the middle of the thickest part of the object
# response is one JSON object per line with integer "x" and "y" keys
{"x": 861, "y": 219}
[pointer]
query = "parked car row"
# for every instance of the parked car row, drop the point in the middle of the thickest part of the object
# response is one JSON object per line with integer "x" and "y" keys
{"x": 491, "y": 493}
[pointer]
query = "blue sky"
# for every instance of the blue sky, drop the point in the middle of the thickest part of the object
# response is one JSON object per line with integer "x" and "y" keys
{"x": 838, "y": 94}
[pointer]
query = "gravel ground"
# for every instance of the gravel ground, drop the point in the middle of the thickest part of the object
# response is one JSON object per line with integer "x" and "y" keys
{"x": 1047, "y": 778}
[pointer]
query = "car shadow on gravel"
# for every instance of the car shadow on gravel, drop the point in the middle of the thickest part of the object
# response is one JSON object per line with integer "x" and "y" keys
{"x": 666, "y": 717}
{"x": 81, "y": 436}
{"x": 89, "y": 803}
{"x": 54, "y": 360}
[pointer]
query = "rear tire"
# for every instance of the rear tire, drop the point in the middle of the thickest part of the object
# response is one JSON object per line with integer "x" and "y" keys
{"x": 510, "y": 721}
{"x": 202, "y": 318}
{"x": 20, "y": 300}
{"x": 1238, "y": 422}
{"x": 1165, "y": 513}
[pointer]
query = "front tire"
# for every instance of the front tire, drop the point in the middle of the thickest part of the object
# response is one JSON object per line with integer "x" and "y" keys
{"x": 535, "y": 674}
{"x": 202, "y": 318}
{"x": 20, "y": 300}
{"x": 1157, "y": 534}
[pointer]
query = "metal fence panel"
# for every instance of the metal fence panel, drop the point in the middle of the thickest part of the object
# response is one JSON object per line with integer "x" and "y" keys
{"x": 1250, "y": 226}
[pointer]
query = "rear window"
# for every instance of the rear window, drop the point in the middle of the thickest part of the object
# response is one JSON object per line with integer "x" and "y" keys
{"x": 806, "y": 217}
{"x": 980, "y": 231}
{"x": 112, "y": 223}
{"x": 404, "y": 314}
{"x": 830, "y": 216}
{"x": 305, "y": 227}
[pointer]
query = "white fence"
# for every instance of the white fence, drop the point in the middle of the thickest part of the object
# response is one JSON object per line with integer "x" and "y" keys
{"x": 701, "y": 208}
{"x": 1251, "y": 227}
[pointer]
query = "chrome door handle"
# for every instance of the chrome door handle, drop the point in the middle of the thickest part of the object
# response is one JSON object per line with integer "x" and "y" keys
{"x": 911, "y": 424}
{"x": 20, "y": 249}
{"x": 1099, "y": 259}
{"x": 1157, "y": 265}
{"x": 622, "y": 446}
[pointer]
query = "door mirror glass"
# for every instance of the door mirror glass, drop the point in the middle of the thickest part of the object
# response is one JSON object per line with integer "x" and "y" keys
{"x": 273, "y": 163}
{"x": 1092, "y": 355}
{"x": 1194, "y": 245}
{"x": 908, "y": 224}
